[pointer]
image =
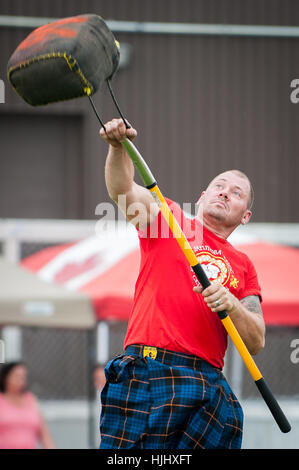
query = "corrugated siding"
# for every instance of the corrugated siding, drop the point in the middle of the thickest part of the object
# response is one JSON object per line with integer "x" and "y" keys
{"x": 201, "y": 105}
{"x": 275, "y": 12}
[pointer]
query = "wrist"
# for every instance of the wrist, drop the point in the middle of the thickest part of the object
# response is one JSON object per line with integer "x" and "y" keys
{"x": 234, "y": 303}
{"x": 116, "y": 145}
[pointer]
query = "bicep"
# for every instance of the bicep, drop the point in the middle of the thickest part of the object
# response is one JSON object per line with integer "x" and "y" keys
{"x": 139, "y": 206}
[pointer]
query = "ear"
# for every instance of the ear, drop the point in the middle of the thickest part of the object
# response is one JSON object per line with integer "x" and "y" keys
{"x": 246, "y": 217}
{"x": 201, "y": 196}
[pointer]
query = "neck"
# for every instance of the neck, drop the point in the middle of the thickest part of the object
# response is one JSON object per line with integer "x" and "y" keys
{"x": 215, "y": 226}
{"x": 13, "y": 393}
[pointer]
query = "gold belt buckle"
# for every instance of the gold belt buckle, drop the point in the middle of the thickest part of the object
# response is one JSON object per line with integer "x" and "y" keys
{"x": 149, "y": 351}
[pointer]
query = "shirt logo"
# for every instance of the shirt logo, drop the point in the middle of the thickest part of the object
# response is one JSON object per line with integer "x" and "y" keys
{"x": 216, "y": 269}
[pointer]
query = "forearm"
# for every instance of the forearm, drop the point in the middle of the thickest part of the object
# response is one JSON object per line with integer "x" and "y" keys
{"x": 250, "y": 325}
{"x": 47, "y": 442}
{"x": 45, "y": 437}
{"x": 119, "y": 169}
{"x": 246, "y": 314}
{"x": 119, "y": 172}
{"x": 138, "y": 204}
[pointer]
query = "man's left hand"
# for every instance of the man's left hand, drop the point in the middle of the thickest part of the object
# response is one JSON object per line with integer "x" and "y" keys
{"x": 217, "y": 297}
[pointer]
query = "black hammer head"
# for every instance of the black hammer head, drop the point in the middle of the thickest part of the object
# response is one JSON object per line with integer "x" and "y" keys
{"x": 63, "y": 60}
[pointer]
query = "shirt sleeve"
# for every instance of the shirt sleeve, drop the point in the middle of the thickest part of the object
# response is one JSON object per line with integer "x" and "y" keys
{"x": 252, "y": 286}
{"x": 158, "y": 227}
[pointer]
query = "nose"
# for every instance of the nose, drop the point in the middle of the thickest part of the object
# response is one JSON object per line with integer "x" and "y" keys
{"x": 223, "y": 194}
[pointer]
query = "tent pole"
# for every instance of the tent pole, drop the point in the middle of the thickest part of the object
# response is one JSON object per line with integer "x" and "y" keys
{"x": 90, "y": 386}
{"x": 102, "y": 342}
{"x": 237, "y": 373}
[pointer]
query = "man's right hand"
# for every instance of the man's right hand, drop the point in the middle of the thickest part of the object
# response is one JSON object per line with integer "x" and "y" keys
{"x": 116, "y": 132}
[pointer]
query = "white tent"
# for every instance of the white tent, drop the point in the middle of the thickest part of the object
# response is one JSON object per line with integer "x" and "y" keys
{"x": 26, "y": 300}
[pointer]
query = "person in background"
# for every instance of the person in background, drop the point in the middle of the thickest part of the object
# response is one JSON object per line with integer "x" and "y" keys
{"x": 22, "y": 425}
{"x": 99, "y": 380}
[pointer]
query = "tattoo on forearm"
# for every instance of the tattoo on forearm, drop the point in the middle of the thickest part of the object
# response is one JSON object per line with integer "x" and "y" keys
{"x": 252, "y": 303}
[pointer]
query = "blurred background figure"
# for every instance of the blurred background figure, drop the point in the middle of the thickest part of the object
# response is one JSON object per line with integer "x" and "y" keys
{"x": 22, "y": 425}
{"x": 99, "y": 380}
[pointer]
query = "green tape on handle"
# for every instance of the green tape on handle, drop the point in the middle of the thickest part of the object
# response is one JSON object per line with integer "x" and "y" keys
{"x": 138, "y": 161}
{"x": 274, "y": 407}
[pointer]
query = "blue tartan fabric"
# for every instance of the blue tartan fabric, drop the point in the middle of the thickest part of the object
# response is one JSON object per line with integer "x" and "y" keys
{"x": 175, "y": 401}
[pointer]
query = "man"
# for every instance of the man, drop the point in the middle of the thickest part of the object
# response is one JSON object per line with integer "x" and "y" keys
{"x": 167, "y": 389}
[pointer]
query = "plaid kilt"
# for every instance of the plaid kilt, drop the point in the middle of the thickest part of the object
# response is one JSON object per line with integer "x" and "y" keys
{"x": 175, "y": 401}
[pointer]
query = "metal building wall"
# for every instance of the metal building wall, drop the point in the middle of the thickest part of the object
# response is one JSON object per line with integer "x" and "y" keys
{"x": 200, "y": 104}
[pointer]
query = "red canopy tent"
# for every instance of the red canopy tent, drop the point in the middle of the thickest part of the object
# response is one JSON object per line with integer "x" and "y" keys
{"x": 107, "y": 271}
{"x": 277, "y": 267}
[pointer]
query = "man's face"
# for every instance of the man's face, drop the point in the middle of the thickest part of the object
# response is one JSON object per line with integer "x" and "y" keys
{"x": 226, "y": 199}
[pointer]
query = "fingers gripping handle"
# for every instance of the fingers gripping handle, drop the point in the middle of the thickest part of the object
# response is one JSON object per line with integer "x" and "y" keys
{"x": 203, "y": 279}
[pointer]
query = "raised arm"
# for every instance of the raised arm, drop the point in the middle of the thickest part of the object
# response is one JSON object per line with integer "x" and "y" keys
{"x": 134, "y": 200}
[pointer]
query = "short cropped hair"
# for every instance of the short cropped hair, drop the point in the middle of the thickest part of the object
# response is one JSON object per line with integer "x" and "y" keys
{"x": 251, "y": 193}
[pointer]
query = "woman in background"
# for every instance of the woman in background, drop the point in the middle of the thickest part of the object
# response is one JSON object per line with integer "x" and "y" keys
{"x": 21, "y": 423}
{"x": 99, "y": 381}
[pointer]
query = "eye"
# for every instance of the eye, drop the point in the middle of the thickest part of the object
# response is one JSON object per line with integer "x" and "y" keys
{"x": 237, "y": 193}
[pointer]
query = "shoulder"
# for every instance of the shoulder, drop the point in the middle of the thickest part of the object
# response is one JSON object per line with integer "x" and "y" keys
{"x": 155, "y": 226}
{"x": 242, "y": 256}
{"x": 171, "y": 203}
{"x": 30, "y": 397}
{"x": 174, "y": 207}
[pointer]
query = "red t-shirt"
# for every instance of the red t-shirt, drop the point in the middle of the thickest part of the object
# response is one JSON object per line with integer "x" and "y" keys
{"x": 167, "y": 313}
